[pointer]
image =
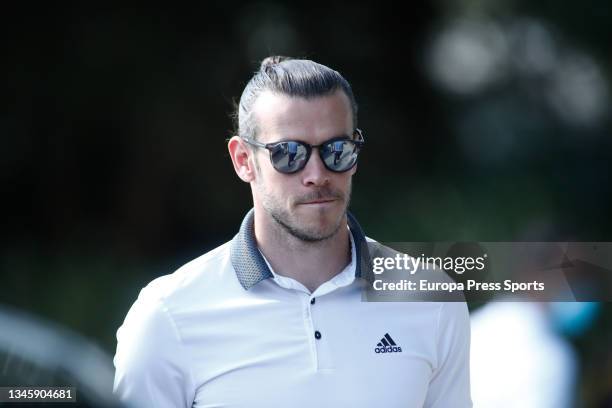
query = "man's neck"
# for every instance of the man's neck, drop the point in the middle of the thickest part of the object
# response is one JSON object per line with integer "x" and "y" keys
{"x": 310, "y": 263}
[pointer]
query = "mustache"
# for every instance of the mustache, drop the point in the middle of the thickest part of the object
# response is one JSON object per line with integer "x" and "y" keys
{"x": 321, "y": 194}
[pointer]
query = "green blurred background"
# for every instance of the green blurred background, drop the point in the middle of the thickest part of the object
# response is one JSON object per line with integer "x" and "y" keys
{"x": 485, "y": 121}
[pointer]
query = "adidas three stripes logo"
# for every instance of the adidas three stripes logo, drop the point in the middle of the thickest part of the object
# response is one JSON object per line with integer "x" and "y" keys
{"x": 387, "y": 345}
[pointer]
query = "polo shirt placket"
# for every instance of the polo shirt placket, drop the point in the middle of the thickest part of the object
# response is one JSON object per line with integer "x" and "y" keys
{"x": 322, "y": 357}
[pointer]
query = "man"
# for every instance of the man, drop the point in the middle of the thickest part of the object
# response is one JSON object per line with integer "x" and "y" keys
{"x": 275, "y": 317}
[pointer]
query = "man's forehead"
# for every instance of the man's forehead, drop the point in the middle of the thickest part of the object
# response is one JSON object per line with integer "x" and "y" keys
{"x": 280, "y": 114}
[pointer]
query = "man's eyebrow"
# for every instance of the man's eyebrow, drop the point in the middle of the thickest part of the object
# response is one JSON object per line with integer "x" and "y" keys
{"x": 290, "y": 139}
{"x": 299, "y": 139}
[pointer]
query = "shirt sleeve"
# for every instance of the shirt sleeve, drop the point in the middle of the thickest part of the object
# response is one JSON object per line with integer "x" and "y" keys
{"x": 449, "y": 386}
{"x": 150, "y": 364}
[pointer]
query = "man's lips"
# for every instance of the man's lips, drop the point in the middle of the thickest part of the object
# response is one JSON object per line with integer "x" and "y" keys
{"x": 320, "y": 201}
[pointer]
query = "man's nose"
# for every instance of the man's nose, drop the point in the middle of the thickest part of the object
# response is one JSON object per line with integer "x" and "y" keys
{"x": 315, "y": 173}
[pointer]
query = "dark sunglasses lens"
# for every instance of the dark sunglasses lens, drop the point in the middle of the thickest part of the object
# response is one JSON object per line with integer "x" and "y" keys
{"x": 288, "y": 157}
{"x": 340, "y": 155}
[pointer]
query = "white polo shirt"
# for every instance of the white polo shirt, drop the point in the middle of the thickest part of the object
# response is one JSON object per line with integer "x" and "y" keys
{"x": 225, "y": 331}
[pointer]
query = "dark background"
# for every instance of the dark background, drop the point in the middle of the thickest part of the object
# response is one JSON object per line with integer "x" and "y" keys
{"x": 114, "y": 166}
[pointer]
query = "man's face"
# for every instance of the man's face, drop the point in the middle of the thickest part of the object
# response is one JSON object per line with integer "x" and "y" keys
{"x": 311, "y": 203}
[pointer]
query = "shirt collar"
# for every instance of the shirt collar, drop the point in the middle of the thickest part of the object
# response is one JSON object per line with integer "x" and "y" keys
{"x": 251, "y": 268}
{"x": 344, "y": 278}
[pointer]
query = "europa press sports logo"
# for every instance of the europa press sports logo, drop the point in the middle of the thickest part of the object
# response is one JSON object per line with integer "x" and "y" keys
{"x": 387, "y": 345}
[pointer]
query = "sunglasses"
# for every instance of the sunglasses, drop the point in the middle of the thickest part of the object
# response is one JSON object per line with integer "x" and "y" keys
{"x": 290, "y": 156}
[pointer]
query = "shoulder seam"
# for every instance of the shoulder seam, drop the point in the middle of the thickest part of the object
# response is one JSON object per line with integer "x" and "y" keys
{"x": 177, "y": 333}
{"x": 438, "y": 336}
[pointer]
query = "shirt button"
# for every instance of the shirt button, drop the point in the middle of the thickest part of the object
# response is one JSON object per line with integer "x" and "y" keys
{"x": 312, "y": 301}
{"x": 317, "y": 335}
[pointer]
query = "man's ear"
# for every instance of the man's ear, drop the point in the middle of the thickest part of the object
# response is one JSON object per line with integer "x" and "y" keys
{"x": 242, "y": 159}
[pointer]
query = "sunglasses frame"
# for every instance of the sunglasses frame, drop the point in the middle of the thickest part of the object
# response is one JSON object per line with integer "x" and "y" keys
{"x": 360, "y": 142}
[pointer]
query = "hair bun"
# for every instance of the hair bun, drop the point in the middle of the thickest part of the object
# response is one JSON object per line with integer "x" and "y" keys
{"x": 271, "y": 61}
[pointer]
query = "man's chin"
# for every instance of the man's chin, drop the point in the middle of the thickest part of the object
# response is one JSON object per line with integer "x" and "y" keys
{"x": 313, "y": 235}
{"x": 316, "y": 229}
{"x": 319, "y": 218}
{"x": 320, "y": 213}
{"x": 309, "y": 230}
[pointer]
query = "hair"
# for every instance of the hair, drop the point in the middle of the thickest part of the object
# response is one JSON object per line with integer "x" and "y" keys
{"x": 292, "y": 77}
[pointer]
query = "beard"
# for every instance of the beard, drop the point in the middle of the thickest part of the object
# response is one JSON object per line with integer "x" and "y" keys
{"x": 291, "y": 223}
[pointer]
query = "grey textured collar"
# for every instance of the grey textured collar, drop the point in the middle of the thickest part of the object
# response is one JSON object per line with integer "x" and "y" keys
{"x": 250, "y": 266}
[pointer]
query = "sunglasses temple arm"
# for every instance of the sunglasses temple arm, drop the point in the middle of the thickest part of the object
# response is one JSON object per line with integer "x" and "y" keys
{"x": 255, "y": 143}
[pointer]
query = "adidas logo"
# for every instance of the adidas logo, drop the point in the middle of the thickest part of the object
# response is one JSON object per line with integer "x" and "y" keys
{"x": 387, "y": 345}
